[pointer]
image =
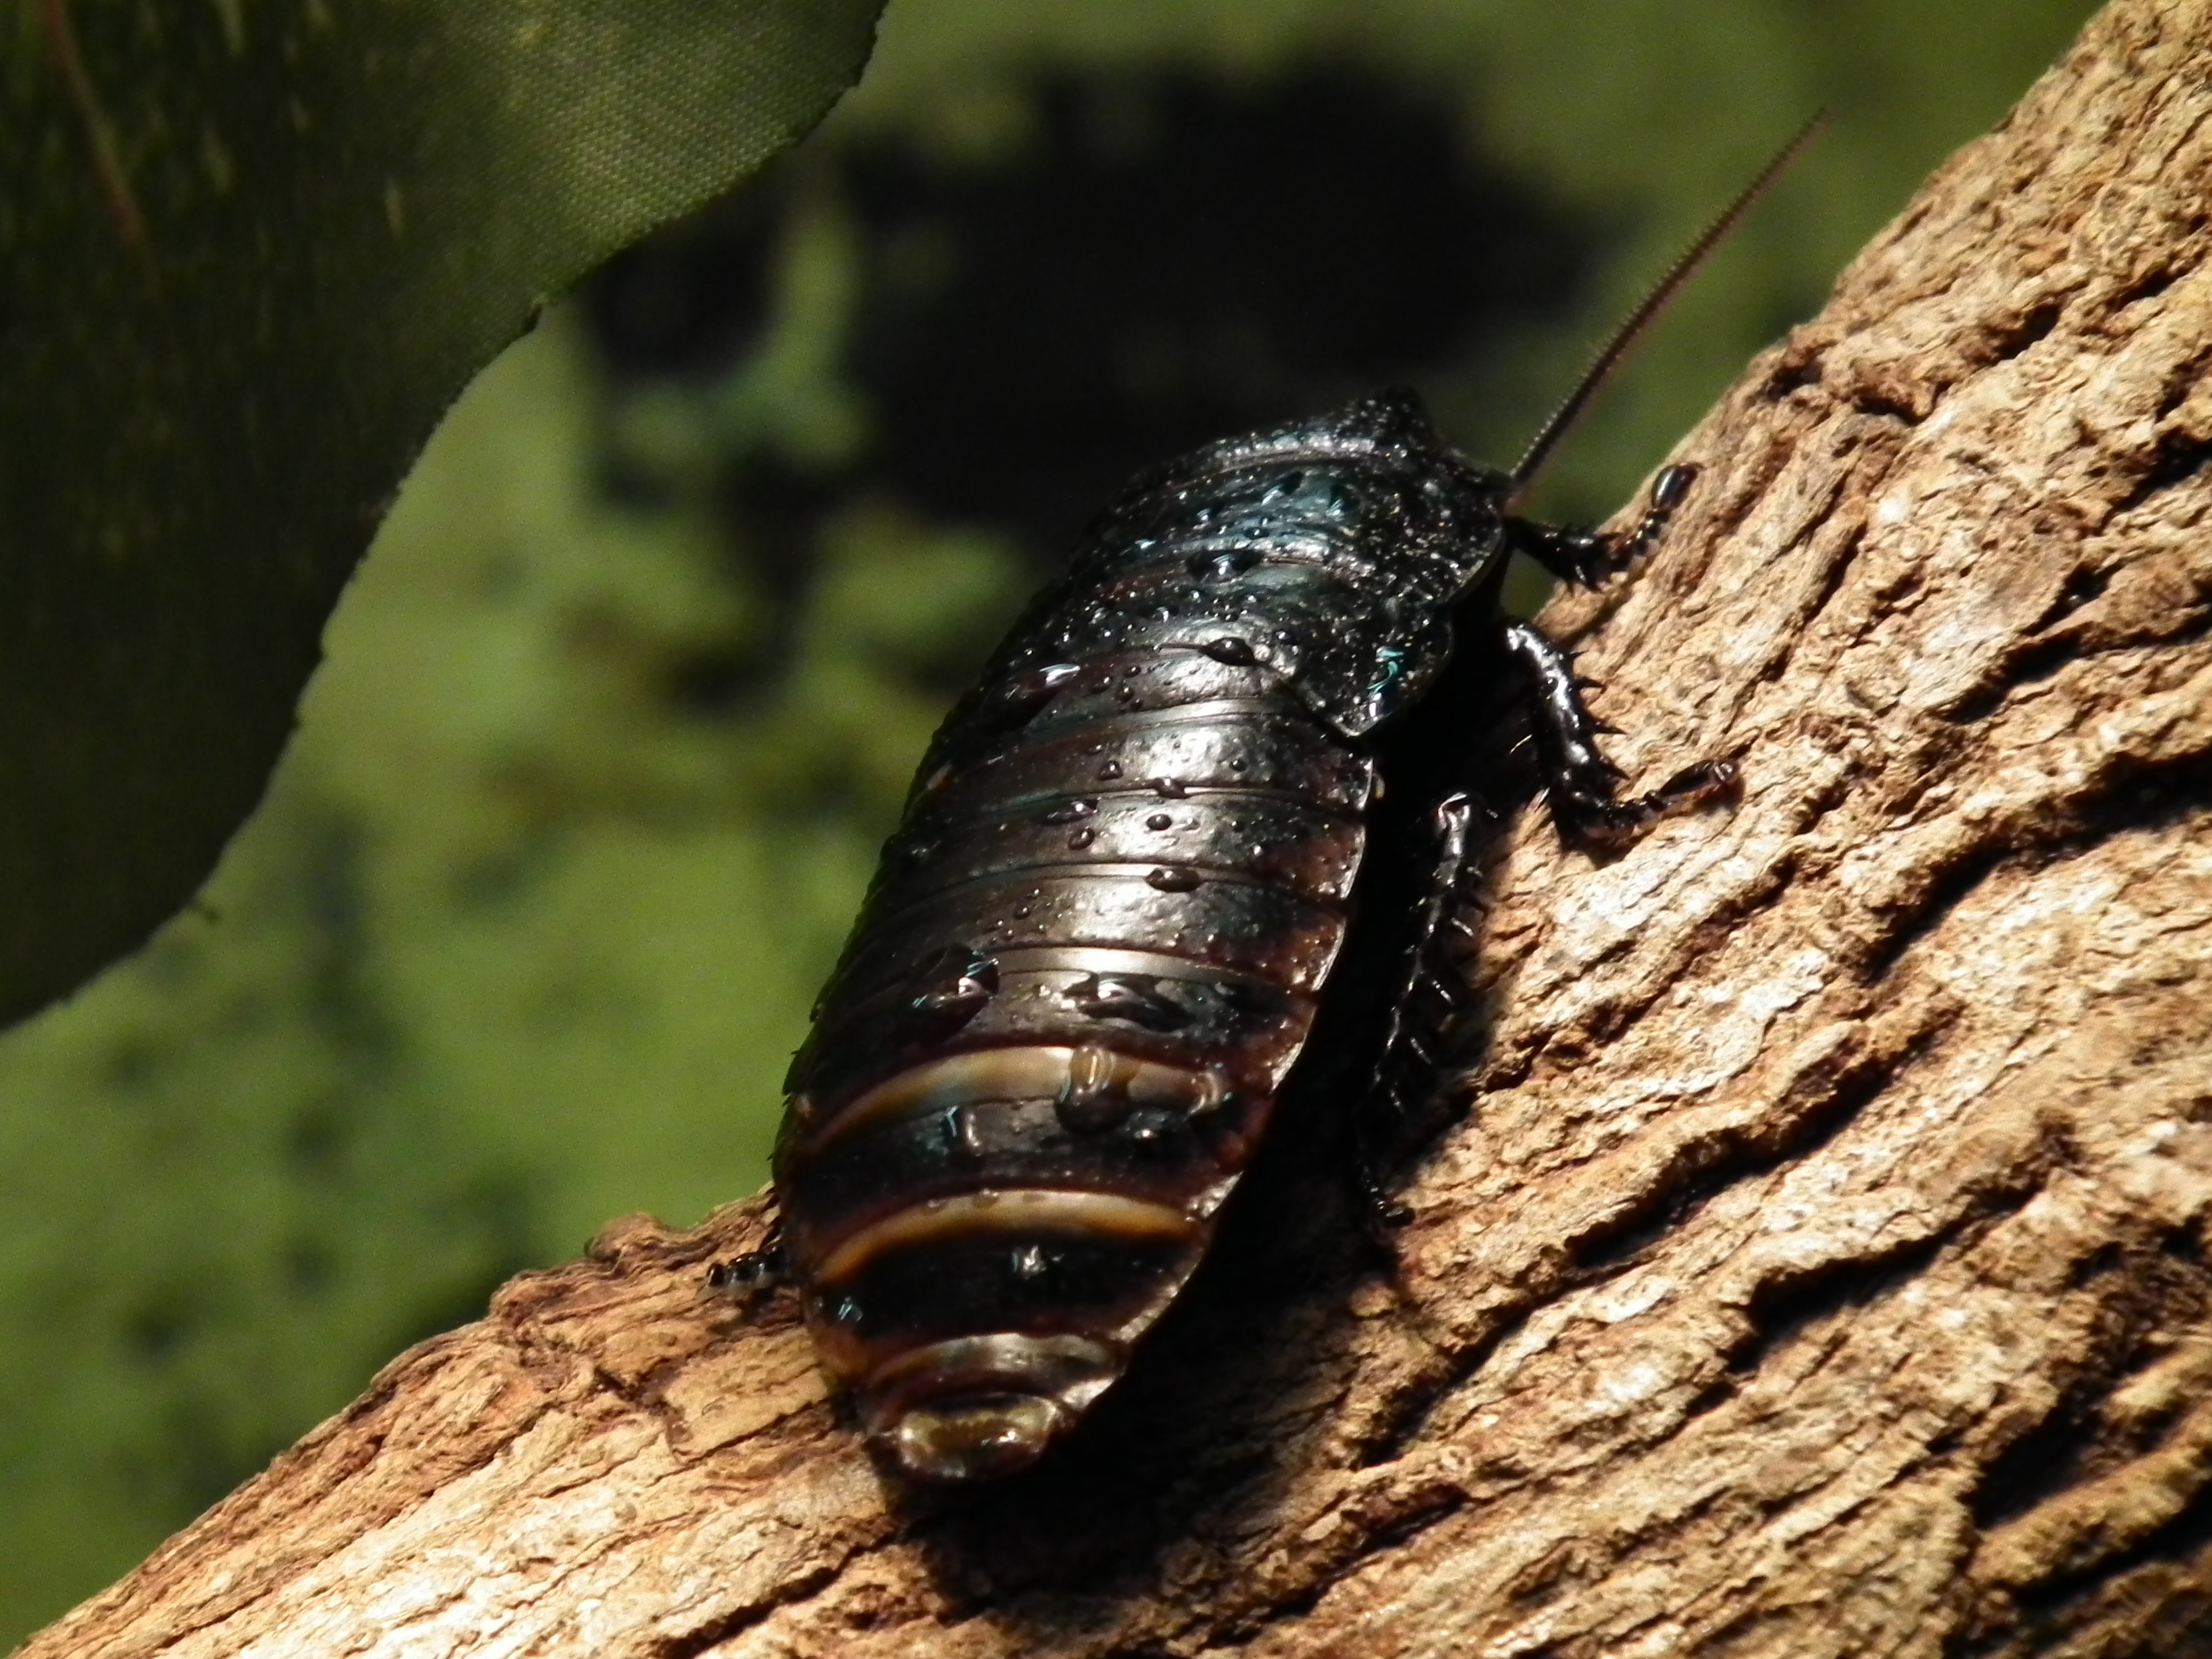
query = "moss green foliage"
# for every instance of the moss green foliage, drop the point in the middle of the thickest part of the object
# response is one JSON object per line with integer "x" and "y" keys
{"x": 582, "y": 800}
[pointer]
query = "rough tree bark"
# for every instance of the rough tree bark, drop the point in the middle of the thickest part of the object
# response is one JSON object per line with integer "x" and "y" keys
{"x": 1823, "y": 1266}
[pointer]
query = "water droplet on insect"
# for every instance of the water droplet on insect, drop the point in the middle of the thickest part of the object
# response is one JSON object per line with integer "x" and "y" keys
{"x": 1132, "y": 996}
{"x": 1069, "y": 812}
{"x": 964, "y": 1132}
{"x": 1150, "y": 1130}
{"x": 1090, "y": 1069}
{"x": 1173, "y": 878}
{"x": 1172, "y": 788}
{"x": 960, "y": 981}
{"x": 1230, "y": 649}
{"x": 1080, "y": 839}
{"x": 1287, "y": 484}
{"x": 1096, "y": 1095}
{"x": 1024, "y": 694}
{"x": 1158, "y": 821}
{"x": 1112, "y": 769}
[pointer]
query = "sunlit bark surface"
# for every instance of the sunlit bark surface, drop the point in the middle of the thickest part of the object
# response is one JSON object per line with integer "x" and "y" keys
{"x": 1822, "y": 1267}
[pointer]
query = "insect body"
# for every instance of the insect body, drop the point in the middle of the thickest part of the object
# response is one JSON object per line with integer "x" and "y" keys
{"x": 1097, "y": 942}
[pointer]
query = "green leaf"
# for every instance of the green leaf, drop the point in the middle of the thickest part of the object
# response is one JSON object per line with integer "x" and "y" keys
{"x": 250, "y": 250}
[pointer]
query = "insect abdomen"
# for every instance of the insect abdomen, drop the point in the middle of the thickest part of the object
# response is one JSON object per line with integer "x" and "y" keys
{"x": 1094, "y": 946}
{"x": 996, "y": 1186}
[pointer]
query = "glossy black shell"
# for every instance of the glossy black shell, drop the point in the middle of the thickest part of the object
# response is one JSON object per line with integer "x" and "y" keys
{"x": 1096, "y": 944}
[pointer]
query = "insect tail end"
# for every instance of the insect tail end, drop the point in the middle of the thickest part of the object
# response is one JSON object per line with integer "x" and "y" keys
{"x": 980, "y": 1437}
{"x": 981, "y": 1407}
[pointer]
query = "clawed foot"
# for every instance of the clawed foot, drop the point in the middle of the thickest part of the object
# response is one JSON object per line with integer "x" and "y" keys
{"x": 1595, "y": 818}
{"x": 756, "y": 1273}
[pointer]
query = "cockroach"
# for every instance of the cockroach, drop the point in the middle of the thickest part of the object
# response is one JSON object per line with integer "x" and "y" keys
{"x": 1097, "y": 941}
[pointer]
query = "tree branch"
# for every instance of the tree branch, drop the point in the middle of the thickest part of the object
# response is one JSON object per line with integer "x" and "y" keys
{"x": 1822, "y": 1266}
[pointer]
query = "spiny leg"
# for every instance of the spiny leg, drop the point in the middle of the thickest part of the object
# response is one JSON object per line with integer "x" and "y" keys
{"x": 1399, "y": 1099}
{"x": 1582, "y": 781}
{"x": 1587, "y": 557}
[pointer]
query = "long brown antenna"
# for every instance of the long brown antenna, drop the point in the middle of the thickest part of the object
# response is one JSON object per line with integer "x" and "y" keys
{"x": 1610, "y": 354}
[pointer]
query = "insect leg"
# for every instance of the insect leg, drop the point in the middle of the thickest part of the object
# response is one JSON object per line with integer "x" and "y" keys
{"x": 1400, "y": 1099}
{"x": 1585, "y": 558}
{"x": 1583, "y": 782}
{"x": 756, "y": 1272}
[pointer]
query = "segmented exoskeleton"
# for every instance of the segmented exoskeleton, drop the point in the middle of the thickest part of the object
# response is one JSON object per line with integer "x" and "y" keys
{"x": 1097, "y": 942}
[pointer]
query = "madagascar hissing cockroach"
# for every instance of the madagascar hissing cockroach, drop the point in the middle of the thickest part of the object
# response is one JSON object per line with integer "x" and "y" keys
{"x": 1097, "y": 944}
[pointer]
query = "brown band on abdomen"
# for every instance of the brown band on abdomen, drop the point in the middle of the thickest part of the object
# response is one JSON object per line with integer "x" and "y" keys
{"x": 1100, "y": 1216}
{"x": 1041, "y": 1072}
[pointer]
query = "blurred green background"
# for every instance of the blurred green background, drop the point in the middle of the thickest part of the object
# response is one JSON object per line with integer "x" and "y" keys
{"x": 616, "y": 712}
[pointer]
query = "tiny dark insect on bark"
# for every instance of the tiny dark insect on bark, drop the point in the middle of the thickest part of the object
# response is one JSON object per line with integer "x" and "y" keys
{"x": 1097, "y": 942}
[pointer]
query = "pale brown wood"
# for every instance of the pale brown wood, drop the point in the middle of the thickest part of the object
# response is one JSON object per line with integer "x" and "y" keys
{"x": 1822, "y": 1268}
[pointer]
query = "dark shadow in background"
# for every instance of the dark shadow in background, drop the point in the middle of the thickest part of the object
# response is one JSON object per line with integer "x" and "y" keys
{"x": 1166, "y": 260}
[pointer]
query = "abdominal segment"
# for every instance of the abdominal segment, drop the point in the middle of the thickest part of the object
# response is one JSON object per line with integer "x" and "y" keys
{"x": 987, "y": 1234}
